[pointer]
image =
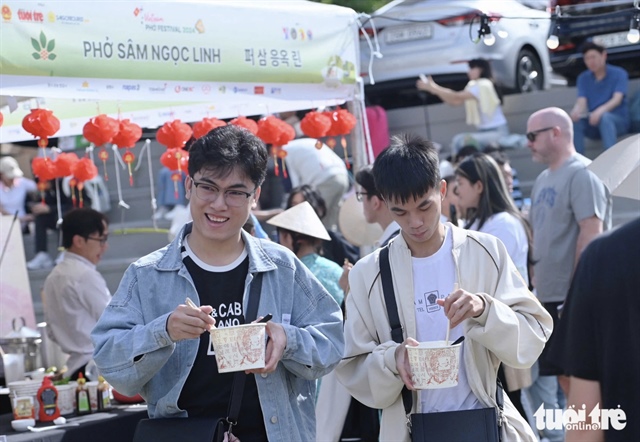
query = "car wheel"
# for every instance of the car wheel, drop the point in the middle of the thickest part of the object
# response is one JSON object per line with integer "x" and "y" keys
{"x": 529, "y": 73}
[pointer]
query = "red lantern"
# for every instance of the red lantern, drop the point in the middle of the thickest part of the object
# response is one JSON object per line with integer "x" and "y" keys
{"x": 169, "y": 159}
{"x": 64, "y": 164}
{"x": 1, "y": 118}
{"x": 176, "y": 160}
{"x": 84, "y": 170}
{"x": 342, "y": 123}
{"x": 246, "y": 123}
{"x": 174, "y": 134}
{"x": 201, "y": 128}
{"x": 288, "y": 133}
{"x": 270, "y": 130}
{"x": 41, "y": 123}
{"x": 315, "y": 125}
{"x": 45, "y": 170}
{"x": 128, "y": 134}
{"x": 100, "y": 130}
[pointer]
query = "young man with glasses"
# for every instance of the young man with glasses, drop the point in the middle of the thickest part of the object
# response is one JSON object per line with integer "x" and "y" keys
{"x": 373, "y": 206}
{"x": 75, "y": 294}
{"x": 570, "y": 207}
{"x": 149, "y": 341}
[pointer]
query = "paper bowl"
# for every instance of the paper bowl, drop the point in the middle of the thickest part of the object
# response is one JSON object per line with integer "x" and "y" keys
{"x": 239, "y": 348}
{"x": 22, "y": 424}
{"x": 66, "y": 399}
{"x": 434, "y": 365}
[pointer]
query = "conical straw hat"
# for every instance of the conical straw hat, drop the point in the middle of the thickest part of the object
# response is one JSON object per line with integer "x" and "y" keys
{"x": 301, "y": 218}
{"x": 354, "y": 226}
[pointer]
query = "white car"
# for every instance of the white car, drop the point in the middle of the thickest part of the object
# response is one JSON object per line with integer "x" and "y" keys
{"x": 406, "y": 38}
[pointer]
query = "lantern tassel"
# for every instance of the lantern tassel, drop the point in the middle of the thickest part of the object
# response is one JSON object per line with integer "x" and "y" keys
{"x": 130, "y": 175}
{"x": 343, "y": 141}
{"x": 284, "y": 169}
{"x": 276, "y": 168}
{"x": 80, "y": 187}
{"x": 121, "y": 202}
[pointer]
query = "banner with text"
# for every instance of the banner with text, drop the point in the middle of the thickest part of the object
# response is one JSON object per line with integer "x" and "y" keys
{"x": 176, "y": 51}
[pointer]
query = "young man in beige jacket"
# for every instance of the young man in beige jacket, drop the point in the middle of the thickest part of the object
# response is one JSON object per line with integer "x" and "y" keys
{"x": 500, "y": 318}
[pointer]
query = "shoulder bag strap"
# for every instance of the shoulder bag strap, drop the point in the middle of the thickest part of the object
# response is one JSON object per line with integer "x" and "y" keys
{"x": 392, "y": 313}
{"x": 237, "y": 389}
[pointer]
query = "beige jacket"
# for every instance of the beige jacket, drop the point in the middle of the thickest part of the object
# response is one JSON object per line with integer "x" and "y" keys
{"x": 513, "y": 328}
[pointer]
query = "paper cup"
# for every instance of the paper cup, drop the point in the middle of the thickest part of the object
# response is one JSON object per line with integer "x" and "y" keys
{"x": 66, "y": 399}
{"x": 434, "y": 365}
{"x": 239, "y": 348}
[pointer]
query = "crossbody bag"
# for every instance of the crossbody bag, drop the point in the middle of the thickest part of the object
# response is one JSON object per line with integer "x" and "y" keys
{"x": 202, "y": 429}
{"x": 480, "y": 425}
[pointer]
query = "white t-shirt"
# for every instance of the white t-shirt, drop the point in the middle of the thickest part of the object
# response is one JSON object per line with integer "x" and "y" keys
{"x": 12, "y": 199}
{"x": 433, "y": 278}
{"x": 509, "y": 229}
{"x": 308, "y": 165}
{"x": 488, "y": 122}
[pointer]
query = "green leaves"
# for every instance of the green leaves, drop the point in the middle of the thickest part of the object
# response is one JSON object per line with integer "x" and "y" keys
{"x": 44, "y": 50}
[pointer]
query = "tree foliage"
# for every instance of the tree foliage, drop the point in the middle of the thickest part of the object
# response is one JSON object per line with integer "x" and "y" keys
{"x": 367, "y": 6}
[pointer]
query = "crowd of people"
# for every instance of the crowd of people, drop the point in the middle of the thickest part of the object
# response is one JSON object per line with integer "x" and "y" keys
{"x": 460, "y": 254}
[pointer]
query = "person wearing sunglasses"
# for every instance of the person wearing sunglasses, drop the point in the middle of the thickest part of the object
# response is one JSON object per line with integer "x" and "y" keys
{"x": 150, "y": 341}
{"x": 570, "y": 207}
{"x": 75, "y": 294}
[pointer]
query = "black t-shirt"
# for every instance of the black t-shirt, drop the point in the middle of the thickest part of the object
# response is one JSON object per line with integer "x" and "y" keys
{"x": 598, "y": 334}
{"x": 206, "y": 392}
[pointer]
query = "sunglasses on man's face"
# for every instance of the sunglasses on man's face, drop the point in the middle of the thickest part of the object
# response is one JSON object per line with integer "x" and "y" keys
{"x": 531, "y": 136}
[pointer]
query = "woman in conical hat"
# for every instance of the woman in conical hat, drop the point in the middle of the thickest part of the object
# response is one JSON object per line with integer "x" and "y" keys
{"x": 301, "y": 231}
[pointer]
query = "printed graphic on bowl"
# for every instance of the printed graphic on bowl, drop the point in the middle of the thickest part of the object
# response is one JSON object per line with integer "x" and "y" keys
{"x": 434, "y": 364}
{"x": 239, "y": 348}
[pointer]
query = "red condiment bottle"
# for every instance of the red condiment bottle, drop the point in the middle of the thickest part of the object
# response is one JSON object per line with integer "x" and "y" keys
{"x": 48, "y": 400}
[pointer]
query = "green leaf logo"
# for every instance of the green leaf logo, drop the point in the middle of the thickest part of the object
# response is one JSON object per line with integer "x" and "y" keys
{"x": 44, "y": 49}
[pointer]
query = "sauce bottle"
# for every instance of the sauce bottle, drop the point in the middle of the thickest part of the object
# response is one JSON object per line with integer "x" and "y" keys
{"x": 48, "y": 400}
{"x": 83, "y": 403}
{"x": 104, "y": 396}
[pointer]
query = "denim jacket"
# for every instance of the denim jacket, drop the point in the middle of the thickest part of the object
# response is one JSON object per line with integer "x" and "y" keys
{"x": 135, "y": 354}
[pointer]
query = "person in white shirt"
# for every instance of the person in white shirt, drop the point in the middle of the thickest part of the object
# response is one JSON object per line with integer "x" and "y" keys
{"x": 482, "y": 103}
{"x": 75, "y": 294}
{"x": 485, "y": 197}
{"x": 373, "y": 206}
{"x": 14, "y": 190}
{"x": 320, "y": 168}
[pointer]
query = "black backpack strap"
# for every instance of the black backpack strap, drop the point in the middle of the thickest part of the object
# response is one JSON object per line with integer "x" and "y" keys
{"x": 392, "y": 313}
{"x": 237, "y": 389}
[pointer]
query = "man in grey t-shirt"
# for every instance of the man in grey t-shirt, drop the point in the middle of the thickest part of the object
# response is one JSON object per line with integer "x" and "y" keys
{"x": 570, "y": 207}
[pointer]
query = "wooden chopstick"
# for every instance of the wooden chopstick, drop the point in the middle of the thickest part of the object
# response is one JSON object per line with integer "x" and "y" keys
{"x": 191, "y": 304}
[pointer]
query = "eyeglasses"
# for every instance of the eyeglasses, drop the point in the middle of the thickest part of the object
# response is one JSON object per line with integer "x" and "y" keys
{"x": 360, "y": 194}
{"x": 210, "y": 193}
{"x": 531, "y": 136}
{"x": 102, "y": 240}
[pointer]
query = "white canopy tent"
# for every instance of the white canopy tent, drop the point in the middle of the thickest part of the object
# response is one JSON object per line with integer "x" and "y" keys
{"x": 153, "y": 62}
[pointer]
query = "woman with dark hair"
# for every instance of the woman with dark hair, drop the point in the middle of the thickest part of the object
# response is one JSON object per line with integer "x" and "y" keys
{"x": 482, "y": 103}
{"x": 483, "y": 194}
